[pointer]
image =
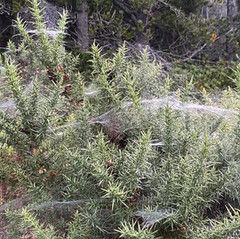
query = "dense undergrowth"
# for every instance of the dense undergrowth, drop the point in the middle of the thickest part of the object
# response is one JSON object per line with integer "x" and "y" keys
{"x": 120, "y": 153}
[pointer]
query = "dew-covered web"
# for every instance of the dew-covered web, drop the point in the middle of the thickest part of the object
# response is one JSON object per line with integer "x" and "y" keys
{"x": 9, "y": 105}
{"x": 50, "y": 32}
{"x": 63, "y": 208}
{"x": 66, "y": 208}
{"x": 150, "y": 107}
{"x": 155, "y": 104}
{"x": 130, "y": 119}
{"x": 149, "y": 218}
{"x": 127, "y": 118}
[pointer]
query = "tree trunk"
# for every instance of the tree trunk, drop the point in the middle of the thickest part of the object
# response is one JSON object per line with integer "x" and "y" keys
{"x": 82, "y": 26}
{"x": 230, "y": 12}
{"x": 5, "y": 29}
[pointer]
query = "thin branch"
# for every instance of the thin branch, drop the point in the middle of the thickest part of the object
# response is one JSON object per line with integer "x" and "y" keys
{"x": 194, "y": 53}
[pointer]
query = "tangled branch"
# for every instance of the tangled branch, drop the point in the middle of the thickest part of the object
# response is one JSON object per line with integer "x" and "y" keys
{"x": 5, "y": 8}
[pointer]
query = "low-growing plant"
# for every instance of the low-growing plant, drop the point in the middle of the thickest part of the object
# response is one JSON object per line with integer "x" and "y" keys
{"x": 211, "y": 76}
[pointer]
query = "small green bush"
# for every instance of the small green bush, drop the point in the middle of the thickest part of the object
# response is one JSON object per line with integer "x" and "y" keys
{"x": 213, "y": 76}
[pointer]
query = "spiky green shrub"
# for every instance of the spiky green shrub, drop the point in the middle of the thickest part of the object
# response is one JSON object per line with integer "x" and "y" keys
{"x": 117, "y": 154}
{"x": 237, "y": 79}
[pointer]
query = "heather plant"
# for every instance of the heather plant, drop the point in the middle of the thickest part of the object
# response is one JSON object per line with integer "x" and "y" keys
{"x": 116, "y": 154}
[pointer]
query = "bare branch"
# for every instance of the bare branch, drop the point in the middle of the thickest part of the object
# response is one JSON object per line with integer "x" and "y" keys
{"x": 5, "y": 8}
{"x": 195, "y": 53}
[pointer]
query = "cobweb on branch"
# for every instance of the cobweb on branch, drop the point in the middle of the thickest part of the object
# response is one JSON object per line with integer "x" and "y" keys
{"x": 154, "y": 105}
{"x": 9, "y": 105}
{"x": 150, "y": 108}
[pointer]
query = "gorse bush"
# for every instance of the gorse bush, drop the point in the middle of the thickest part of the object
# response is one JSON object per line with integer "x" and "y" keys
{"x": 117, "y": 154}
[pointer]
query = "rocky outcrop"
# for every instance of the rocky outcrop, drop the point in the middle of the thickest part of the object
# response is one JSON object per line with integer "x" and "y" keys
{"x": 216, "y": 9}
{"x": 50, "y": 15}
